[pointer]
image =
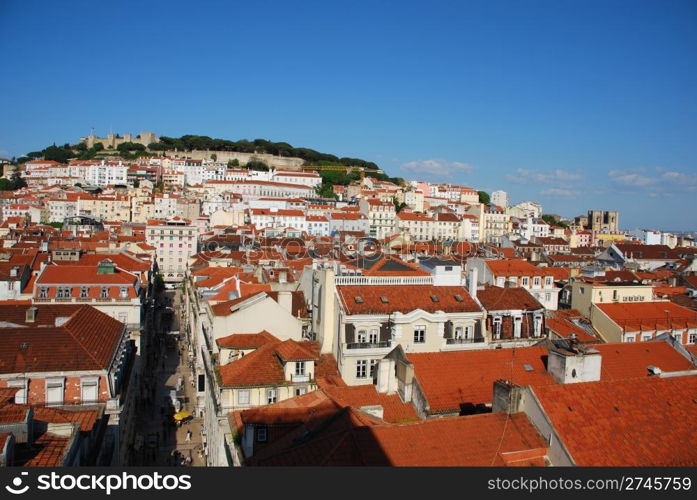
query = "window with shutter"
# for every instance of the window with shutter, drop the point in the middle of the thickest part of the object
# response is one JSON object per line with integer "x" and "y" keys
{"x": 448, "y": 331}
{"x": 54, "y": 391}
{"x": 350, "y": 332}
{"x": 385, "y": 332}
{"x": 89, "y": 387}
{"x": 21, "y": 394}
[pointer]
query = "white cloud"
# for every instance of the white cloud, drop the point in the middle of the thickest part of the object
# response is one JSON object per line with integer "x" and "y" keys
{"x": 655, "y": 181}
{"x": 556, "y": 177}
{"x": 634, "y": 178}
{"x": 437, "y": 167}
{"x": 560, "y": 192}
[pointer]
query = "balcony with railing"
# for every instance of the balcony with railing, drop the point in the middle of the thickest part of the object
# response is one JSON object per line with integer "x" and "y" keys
{"x": 464, "y": 344}
{"x": 368, "y": 345}
{"x": 475, "y": 340}
{"x": 300, "y": 377}
{"x": 366, "y": 348}
{"x": 84, "y": 300}
{"x": 383, "y": 280}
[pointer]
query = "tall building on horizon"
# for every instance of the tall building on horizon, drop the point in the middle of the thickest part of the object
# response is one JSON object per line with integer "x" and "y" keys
{"x": 499, "y": 198}
{"x": 604, "y": 220}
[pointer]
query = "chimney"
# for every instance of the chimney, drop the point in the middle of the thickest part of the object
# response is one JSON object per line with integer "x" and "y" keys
{"x": 507, "y": 397}
{"x": 283, "y": 276}
{"x": 654, "y": 371}
{"x": 571, "y": 362}
{"x": 13, "y": 272}
{"x": 472, "y": 281}
{"x": 31, "y": 315}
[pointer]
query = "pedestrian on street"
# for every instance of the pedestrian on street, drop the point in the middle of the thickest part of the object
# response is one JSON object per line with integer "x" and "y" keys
{"x": 188, "y": 435}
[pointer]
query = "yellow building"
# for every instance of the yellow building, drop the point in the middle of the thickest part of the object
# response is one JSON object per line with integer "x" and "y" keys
{"x": 585, "y": 294}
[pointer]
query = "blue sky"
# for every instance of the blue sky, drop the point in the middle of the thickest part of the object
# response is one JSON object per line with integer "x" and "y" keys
{"x": 574, "y": 104}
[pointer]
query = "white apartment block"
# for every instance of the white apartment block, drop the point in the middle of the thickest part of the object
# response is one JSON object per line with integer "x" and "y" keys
{"x": 166, "y": 206}
{"x": 469, "y": 228}
{"x": 317, "y": 225}
{"x": 348, "y": 221}
{"x": 381, "y": 217}
{"x": 419, "y": 226}
{"x": 175, "y": 241}
{"x": 106, "y": 174}
{"x": 414, "y": 199}
{"x": 533, "y": 228}
{"x": 59, "y": 209}
{"x": 310, "y": 179}
{"x": 277, "y": 218}
{"x": 261, "y": 189}
{"x": 499, "y": 198}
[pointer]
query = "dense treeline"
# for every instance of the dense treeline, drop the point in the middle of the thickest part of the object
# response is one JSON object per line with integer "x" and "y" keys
{"x": 202, "y": 142}
{"x": 131, "y": 150}
{"x": 13, "y": 183}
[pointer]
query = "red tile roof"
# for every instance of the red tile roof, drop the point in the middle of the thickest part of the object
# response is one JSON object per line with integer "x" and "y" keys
{"x": 261, "y": 367}
{"x": 123, "y": 260}
{"x": 645, "y": 316}
{"x": 67, "y": 274}
{"x": 330, "y": 399}
{"x": 661, "y": 291}
{"x": 650, "y": 252}
{"x": 494, "y": 298}
{"x": 352, "y": 438}
{"x": 559, "y": 273}
{"x": 246, "y": 340}
{"x": 11, "y": 413}
{"x": 451, "y": 379}
{"x": 414, "y": 216}
{"x": 48, "y": 450}
{"x": 628, "y": 360}
{"x": 86, "y": 418}
{"x": 87, "y": 341}
{"x": 560, "y": 323}
{"x": 357, "y": 396}
{"x": 404, "y": 298}
{"x": 226, "y": 308}
{"x": 290, "y": 350}
{"x": 637, "y": 423}
{"x": 515, "y": 267}
{"x": 385, "y": 265}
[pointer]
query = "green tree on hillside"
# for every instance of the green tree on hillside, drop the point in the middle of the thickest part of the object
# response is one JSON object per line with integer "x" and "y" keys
{"x": 484, "y": 197}
{"x": 60, "y": 154}
{"x": 17, "y": 181}
{"x": 325, "y": 190}
{"x": 125, "y": 147}
{"x": 397, "y": 205}
{"x": 257, "y": 165}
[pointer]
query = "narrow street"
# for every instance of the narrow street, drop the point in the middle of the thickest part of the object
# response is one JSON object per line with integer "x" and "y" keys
{"x": 167, "y": 387}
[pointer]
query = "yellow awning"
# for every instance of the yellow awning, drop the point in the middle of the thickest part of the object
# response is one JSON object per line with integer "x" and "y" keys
{"x": 182, "y": 415}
